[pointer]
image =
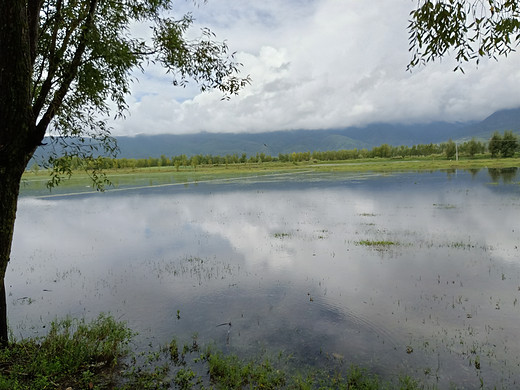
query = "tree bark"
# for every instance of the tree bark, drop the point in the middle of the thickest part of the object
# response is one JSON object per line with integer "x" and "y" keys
{"x": 10, "y": 177}
{"x": 9, "y": 190}
{"x": 4, "y": 331}
{"x": 17, "y": 127}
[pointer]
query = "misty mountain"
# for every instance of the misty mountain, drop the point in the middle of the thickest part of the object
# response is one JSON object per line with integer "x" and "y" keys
{"x": 273, "y": 143}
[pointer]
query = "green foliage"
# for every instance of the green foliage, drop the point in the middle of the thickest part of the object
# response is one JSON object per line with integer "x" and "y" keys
{"x": 231, "y": 373}
{"x": 494, "y": 145}
{"x": 184, "y": 379}
{"x": 472, "y": 147}
{"x": 74, "y": 354}
{"x": 470, "y": 29}
{"x": 85, "y": 57}
{"x": 200, "y": 60}
{"x": 383, "y": 151}
{"x": 451, "y": 150}
{"x": 65, "y": 165}
{"x": 503, "y": 146}
{"x": 509, "y": 144}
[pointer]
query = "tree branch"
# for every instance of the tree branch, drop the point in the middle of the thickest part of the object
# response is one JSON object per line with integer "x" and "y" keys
{"x": 33, "y": 18}
{"x": 69, "y": 74}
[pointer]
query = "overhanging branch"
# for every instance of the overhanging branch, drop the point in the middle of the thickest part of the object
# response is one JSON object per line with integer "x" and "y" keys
{"x": 69, "y": 75}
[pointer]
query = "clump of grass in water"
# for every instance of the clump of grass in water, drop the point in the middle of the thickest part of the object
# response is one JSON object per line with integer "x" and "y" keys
{"x": 372, "y": 243}
{"x": 460, "y": 245}
{"x": 212, "y": 369}
{"x": 444, "y": 206}
{"x": 231, "y": 373}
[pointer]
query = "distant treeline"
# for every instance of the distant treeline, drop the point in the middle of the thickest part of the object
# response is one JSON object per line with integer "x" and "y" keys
{"x": 498, "y": 146}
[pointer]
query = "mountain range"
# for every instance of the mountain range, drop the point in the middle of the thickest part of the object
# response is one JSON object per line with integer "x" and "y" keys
{"x": 273, "y": 143}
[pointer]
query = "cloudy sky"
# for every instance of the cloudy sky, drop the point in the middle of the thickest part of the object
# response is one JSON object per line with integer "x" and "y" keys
{"x": 317, "y": 64}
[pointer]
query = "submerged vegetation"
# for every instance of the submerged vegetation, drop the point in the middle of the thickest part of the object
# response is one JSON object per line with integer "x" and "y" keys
{"x": 373, "y": 243}
{"x": 95, "y": 355}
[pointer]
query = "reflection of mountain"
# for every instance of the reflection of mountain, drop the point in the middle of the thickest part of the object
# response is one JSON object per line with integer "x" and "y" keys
{"x": 273, "y": 143}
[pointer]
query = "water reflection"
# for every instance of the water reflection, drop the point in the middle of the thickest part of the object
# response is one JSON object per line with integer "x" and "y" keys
{"x": 506, "y": 174}
{"x": 365, "y": 268}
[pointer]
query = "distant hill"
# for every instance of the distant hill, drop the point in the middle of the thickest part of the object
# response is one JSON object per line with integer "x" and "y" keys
{"x": 273, "y": 143}
{"x": 498, "y": 121}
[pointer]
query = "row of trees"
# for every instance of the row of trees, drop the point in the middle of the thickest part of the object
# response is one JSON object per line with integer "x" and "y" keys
{"x": 499, "y": 146}
{"x": 503, "y": 146}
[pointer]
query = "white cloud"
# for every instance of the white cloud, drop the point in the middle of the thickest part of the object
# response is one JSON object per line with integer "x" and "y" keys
{"x": 320, "y": 64}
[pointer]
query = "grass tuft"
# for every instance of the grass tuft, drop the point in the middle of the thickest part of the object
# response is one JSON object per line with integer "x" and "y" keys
{"x": 372, "y": 243}
{"x": 74, "y": 354}
{"x": 231, "y": 373}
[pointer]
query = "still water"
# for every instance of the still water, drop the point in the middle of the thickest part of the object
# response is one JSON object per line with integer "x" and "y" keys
{"x": 404, "y": 273}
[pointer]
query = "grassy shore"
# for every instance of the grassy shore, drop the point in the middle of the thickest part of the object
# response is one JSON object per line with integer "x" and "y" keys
{"x": 34, "y": 182}
{"x": 78, "y": 355}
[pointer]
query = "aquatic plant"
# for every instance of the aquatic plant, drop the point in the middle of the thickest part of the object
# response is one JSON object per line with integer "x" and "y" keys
{"x": 375, "y": 243}
{"x": 81, "y": 355}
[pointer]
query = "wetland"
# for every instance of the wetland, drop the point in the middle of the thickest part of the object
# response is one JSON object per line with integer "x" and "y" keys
{"x": 412, "y": 273}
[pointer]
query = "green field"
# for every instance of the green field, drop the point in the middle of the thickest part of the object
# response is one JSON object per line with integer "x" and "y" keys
{"x": 35, "y": 182}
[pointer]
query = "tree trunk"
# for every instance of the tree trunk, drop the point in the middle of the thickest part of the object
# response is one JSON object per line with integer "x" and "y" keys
{"x": 3, "y": 314}
{"x": 17, "y": 126}
{"x": 9, "y": 189}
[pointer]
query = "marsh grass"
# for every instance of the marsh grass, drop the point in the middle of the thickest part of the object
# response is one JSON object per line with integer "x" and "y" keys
{"x": 444, "y": 206}
{"x": 96, "y": 355}
{"x": 193, "y": 368}
{"x": 229, "y": 372}
{"x": 281, "y": 235}
{"x": 376, "y": 243}
{"x": 74, "y": 354}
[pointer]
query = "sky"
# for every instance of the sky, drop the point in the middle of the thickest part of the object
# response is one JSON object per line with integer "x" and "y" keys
{"x": 318, "y": 64}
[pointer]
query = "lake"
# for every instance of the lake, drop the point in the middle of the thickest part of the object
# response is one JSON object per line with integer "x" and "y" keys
{"x": 402, "y": 273}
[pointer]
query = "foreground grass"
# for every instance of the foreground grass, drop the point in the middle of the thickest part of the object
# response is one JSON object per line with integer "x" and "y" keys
{"x": 74, "y": 355}
{"x": 78, "y": 355}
